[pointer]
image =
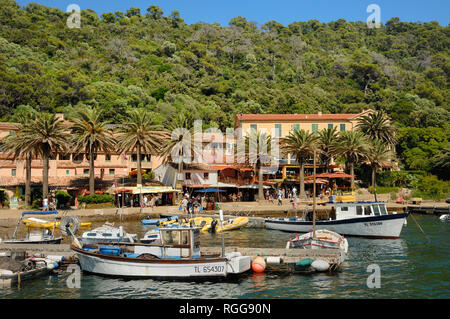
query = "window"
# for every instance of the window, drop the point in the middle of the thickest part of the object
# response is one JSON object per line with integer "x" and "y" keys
{"x": 205, "y": 175}
{"x": 253, "y": 127}
{"x": 67, "y": 172}
{"x": 86, "y": 171}
{"x": 107, "y": 235}
{"x": 344, "y": 209}
{"x": 13, "y": 172}
{"x": 376, "y": 209}
{"x": 148, "y": 157}
{"x": 295, "y": 127}
{"x": 112, "y": 171}
{"x": 315, "y": 128}
{"x": 277, "y": 130}
{"x": 342, "y": 127}
{"x": 187, "y": 176}
{"x": 134, "y": 157}
{"x": 330, "y": 126}
{"x": 367, "y": 210}
{"x": 108, "y": 157}
{"x": 77, "y": 158}
{"x": 358, "y": 210}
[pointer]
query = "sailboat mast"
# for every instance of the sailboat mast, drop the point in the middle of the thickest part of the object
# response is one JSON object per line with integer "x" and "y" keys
{"x": 314, "y": 194}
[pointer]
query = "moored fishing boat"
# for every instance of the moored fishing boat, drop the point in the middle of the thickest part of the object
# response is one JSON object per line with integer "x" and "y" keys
{"x": 364, "y": 219}
{"x": 177, "y": 256}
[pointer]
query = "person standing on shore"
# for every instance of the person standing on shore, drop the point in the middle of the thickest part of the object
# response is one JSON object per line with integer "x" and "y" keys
{"x": 279, "y": 197}
{"x": 45, "y": 203}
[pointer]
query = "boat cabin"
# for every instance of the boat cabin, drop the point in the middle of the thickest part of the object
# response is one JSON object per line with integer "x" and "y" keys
{"x": 175, "y": 242}
{"x": 360, "y": 209}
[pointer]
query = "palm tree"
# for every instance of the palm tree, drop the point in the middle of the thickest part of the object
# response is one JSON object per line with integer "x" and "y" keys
{"x": 90, "y": 135}
{"x": 379, "y": 153}
{"x": 258, "y": 148}
{"x": 301, "y": 144}
{"x": 43, "y": 135}
{"x": 377, "y": 126}
{"x": 327, "y": 140}
{"x": 12, "y": 146}
{"x": 180, "y": 142}
{"x": 353, "y": 145}
{"x": 138, "y": 133}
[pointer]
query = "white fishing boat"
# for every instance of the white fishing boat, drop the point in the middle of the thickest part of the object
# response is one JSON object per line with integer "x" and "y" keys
{"x": 35, "y": 233}
{"x": 151, "y": 236}
{"x": 107, "y": 234}
{"x": 364, "y": 219}
{"x": 177, "y": 256}
{"x": 322, "y": 239}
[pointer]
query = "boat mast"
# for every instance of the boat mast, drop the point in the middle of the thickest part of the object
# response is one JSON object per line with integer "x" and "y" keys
{"x": 314, "y": 194}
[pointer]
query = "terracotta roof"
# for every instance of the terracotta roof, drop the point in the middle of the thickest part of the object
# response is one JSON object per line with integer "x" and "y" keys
{"x": 294, "y": 117}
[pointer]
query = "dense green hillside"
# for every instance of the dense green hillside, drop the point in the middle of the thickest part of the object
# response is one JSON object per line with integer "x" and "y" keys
{"x": 153, "y": 59}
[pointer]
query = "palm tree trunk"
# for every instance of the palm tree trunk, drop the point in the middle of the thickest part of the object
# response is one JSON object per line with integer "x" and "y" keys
{"x": 352, "y": 172}
{"x": 374, "y": 173}
{"x": 260, "y": 184}
{"x": 139, "y": 171}
{"x": 91, "y": 172}
{"x": 45, "y": 175}
{"x": 28, "y": 181}
{"x": 302, "y": 193}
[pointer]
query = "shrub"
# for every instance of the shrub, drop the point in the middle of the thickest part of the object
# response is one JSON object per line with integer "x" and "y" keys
{"x": 430, "y": 187}
{"x": 96, "y": 199}
{"x": 63, "y": 198}
{"x": 384, "y": 190}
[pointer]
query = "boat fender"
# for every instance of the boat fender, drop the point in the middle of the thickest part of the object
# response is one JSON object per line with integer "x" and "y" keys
{"x": 274, "y": 260}
{"x": 305, "y": 262}
{"x": 320, "y": 265}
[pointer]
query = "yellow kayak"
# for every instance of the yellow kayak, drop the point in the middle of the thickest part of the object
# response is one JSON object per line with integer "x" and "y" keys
{"x": 39, "y": 223}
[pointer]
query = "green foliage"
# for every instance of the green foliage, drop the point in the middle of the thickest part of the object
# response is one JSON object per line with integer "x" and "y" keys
{"x": 383, "y": 190}
{"x": 96, "y": 199}
{"x": 126, "y": 60}
{"x": 63, "y": 198}
{"x": 430, "y": 187}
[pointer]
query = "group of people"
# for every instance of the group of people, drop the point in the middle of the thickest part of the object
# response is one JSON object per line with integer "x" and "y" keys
{"x": 148, "y": 201}
{"x": 192, "y": 205}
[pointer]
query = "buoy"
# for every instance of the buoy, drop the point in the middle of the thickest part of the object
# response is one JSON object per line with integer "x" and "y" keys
{"x": 258, "y": 265}
{"x": 305, "y": 262}
{"x": 320, "y": 265}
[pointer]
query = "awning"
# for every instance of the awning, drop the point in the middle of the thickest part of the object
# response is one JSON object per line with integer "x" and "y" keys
{"x": 211, "y": 190}
{"x": 153, "y": 190}
{"x": 334, "y": 175}
{"x": 253, "y": 186}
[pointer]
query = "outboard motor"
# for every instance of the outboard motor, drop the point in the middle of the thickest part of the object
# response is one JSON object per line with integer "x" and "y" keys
{"x": 213, "y": 226}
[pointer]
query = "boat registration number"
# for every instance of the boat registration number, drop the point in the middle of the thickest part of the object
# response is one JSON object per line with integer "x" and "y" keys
{"x": 209, "y": 269}
{"x": 373, "y": 224}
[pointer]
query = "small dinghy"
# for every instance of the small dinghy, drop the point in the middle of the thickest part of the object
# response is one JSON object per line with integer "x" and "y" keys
{"x": 323, "y": 239}
{"x": 36, "y": 235}
{"x": 157, "y": 221}
{"x": 13, "y": 271}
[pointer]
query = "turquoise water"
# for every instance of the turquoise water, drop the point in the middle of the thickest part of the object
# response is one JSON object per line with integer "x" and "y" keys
{"x": 410, "y": 267}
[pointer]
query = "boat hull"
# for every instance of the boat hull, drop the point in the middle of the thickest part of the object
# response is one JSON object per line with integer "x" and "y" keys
{"x": 155, "y": 268}
{"x": 54, "y": 241}
{"x": 384, "y": 226}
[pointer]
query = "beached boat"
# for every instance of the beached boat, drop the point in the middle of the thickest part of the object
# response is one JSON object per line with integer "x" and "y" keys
{"x": 177, "y": 256}
{"x": 157, "y": 221}
{"x": 365, "y": 219}
{"x": 36, "y": 235}
{"x": 106, "y": 234}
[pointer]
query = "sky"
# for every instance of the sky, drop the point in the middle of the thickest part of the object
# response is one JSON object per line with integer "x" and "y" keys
{"x": 282, "y": 11}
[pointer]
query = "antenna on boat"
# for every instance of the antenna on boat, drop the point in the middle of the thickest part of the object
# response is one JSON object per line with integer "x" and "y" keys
{"x": 223, "y": 239}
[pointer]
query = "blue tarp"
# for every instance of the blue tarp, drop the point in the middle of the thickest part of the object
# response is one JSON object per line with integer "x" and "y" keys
{"x": 39, "y": 212}
{"x": 210, "y": 190}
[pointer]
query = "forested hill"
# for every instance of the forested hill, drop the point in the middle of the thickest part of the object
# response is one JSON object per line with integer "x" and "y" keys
{"x": 155, "y": 60}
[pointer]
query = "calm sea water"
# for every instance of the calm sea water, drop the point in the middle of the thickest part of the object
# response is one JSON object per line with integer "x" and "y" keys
{"x": 411, "y": 267}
